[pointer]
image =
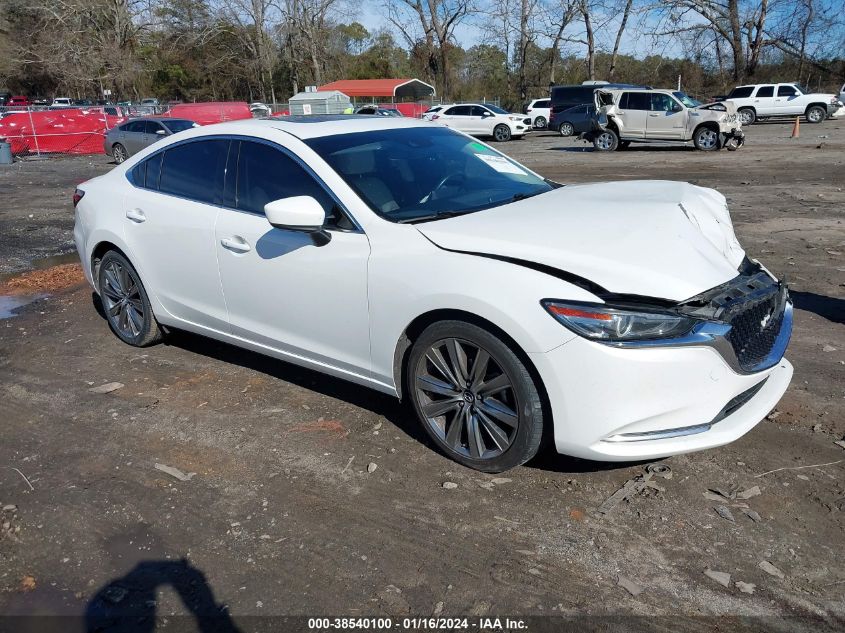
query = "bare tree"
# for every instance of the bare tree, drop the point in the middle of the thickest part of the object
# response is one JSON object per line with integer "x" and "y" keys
{"x": 626, "y": 12}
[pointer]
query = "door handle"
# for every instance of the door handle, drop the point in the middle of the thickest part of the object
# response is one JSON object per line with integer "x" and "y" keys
{"x": 653, "y": 115}
{"x": 136, "y": 215}
{"x": 237, "y": 244}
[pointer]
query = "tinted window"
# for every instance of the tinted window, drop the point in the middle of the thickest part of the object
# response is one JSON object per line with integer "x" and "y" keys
{"x": 765, "y": 91}
{"x": 152, "y": 127}
{"x": 195, "y": 170}
{"x": 459, "y": 111}
{"x": 153, "y": 168}
{"x": 786, "y": 91}
{"x": 637, "y": 101}
{"x": 178, "y": 125}
{"x": 133, "y": 126}
{"x": 478, "y": 111}
{"x": 542, "y": 104}
{"x": 265, "y": 174}
{"x": 741, "y": 93}
{"x": 567, "y": 96}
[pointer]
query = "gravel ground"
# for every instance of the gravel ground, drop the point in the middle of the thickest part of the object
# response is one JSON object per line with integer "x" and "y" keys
{"x": 285, "y": 516}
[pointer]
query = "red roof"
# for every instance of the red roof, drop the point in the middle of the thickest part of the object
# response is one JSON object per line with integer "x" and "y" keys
{"x": 380, "y": 87}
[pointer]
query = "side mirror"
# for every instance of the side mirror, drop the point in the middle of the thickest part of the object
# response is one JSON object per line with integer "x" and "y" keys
{"x": 161, "y": 132}
{"x": 298, "y": 213}
{"x": 486, "y": 113}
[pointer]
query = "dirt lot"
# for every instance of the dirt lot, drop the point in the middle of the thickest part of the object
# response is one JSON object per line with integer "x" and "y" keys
{"x": 282, "y": 516}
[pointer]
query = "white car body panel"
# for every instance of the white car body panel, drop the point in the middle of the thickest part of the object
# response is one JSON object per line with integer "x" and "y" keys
{"x": 479, "y": 125}
{"x": 343, "y": 308}
{"x": 782, "y": 105}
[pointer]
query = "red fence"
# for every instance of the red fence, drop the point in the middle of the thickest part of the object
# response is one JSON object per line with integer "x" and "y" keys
{"x": 82, "y": 130}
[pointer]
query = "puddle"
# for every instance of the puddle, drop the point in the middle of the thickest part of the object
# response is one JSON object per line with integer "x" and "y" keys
{"x": 9, "y": 303}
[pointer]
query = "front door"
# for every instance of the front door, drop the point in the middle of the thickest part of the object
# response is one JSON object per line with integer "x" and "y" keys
{"x": 283, "y": 291}
{"x": 168, "y": 218}
{"x": 764, "y": 101}
{"x": 667, "y": 118}
{"x": 787, "y": 100}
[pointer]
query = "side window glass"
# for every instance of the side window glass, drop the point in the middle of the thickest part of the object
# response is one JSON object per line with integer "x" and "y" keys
{"x": 195, "y": 170}
{"x": 741, "y": 92}
{"x": 786, "y": 91}
{"x": 623, "y": 101}
{"x": 153, "y": 164}
{"x": 265, "y": 174}
{"x": 152, "y": 127}
{"x": 639, "y": 101}
{"x": 477, "y": 111}
{"x": 765, "y": 91}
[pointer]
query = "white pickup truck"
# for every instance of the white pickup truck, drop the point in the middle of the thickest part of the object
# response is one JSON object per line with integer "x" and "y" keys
{"x": 763, "y": 101}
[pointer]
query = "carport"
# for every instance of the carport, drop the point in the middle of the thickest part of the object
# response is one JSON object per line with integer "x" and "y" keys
{"x": 396, "y": 89}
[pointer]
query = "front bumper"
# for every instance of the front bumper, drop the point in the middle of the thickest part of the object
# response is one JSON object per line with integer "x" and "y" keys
{"x": 623, "y": 404}
{"x": 734, "y": 137}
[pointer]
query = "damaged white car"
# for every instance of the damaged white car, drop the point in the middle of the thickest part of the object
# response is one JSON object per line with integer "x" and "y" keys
{"x": 626, "y": 116}
{"x": 619, "y": 321}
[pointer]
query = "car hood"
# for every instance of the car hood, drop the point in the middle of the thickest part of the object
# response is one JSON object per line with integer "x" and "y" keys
{"x": 669, "y": 240}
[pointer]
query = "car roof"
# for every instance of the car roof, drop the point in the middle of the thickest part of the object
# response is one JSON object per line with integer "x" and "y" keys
{"x": 312, "y": 126}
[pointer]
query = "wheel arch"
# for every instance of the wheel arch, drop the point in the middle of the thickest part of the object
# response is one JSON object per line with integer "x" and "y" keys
{"x": 816, "y": 104}
{"x": 102, "y": 247}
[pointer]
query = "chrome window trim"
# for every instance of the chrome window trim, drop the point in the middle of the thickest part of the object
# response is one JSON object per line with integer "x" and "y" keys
{"x": 240, "y": 137}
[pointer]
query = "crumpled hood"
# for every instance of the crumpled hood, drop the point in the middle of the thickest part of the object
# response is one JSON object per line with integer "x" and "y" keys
{"x": 654, "y": 238}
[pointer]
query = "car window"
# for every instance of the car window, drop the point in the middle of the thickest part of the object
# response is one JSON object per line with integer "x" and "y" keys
{"x": 178, "y": 125}
{"x": 663, "y": 103}
{"x": 765, "y": 91}
{"x": 542, "y": 104}
{"x": 195, "y": 170}
{"x": 152, "y": 127}
{"x": 741, "y": 92}
{"x": 636, "y": 101}
{"x": 787, "y": 91}
{"x": 407, "y": 174}
{"x": 265, "y": 173}
{"x": 133, "y": 126}
{"x": 477, "y": 111}
{"x": 459, "y": 111}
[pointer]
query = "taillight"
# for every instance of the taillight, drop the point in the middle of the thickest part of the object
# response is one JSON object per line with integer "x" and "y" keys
{"x": 77, "y": 196}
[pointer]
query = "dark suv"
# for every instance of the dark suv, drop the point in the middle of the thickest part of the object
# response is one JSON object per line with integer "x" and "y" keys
{"x": 567, "y": 114}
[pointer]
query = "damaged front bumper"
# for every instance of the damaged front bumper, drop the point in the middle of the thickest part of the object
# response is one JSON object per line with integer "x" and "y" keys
{"x": 733, "y": 140}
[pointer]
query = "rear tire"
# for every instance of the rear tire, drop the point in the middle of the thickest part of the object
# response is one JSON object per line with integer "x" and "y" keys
{"x": 566, "y": 129}
{"x": 125, "y": 302}
{"x": 815, "y": 114}
{"x": 540, "y": 123}
{"x": 747, "y": 116}
{"x": 502, "y": 133}
{"x": 474, "y": 397}
{"x": 606, "y": 141}
{"x": 119, "y": 153}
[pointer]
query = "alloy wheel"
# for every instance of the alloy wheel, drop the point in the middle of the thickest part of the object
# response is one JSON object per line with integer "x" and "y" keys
{"x": 540, "y": 123}
{"x": 502, "y": 133}
{"x": 122, "y": 300}
{"x": 467, "y": 399}
{"x": 707, "y": 139}
{"x": 119, "y": 153}
{"x": 746, "y": 117}
{"x": 604, "y": 141}
{"x": 566, "y": 129}
{"x": 814, "y": 115}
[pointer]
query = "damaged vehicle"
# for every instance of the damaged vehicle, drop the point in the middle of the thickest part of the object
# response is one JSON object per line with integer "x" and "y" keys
{"x": 625, "y": 116}
{"x": 615, "y": 321}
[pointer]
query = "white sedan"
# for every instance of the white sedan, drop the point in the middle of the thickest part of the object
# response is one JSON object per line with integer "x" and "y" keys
{"x": 622, "y": 320}
{"x": 483, "y": 120}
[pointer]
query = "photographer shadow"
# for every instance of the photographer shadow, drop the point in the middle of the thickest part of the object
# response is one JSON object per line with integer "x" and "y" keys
{"x": 128, "y": 604}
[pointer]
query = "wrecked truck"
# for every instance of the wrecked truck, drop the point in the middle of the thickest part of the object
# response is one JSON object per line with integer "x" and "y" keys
{"x": 625, "y": 116}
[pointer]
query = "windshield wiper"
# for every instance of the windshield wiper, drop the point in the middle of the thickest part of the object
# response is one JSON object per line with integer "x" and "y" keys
{"x": 440, "y": 215}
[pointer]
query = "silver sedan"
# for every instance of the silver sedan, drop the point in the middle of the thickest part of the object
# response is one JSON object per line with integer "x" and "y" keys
{"x": 131, "y": 137}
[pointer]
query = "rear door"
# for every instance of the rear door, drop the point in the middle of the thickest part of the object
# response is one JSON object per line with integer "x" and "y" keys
{"x": 168, "y": 217}
{"x": 633, "y": 110}
{"x": 458, "y": 117}
{"x": 282, "y": 290}
{"x": 764, "y": 100}
{"x": 667, "y": 118}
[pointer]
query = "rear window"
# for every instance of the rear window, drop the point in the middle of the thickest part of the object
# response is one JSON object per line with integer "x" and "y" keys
{"x": 765, "y": 91}
{"x": 741, "y": 92}
{"x": 542, "y": 104}
{"x": 635, "y": 101}
{"x": 195, "y": 170}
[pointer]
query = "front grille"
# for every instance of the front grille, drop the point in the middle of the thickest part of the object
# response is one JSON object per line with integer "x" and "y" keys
{"x": 753, "y": 304}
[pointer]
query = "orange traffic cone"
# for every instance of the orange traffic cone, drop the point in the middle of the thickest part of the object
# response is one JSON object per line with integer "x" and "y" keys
{"x": 796, "y": 129}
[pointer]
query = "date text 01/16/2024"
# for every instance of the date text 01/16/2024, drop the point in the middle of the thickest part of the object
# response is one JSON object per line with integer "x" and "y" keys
{"x": 422, "y": 624}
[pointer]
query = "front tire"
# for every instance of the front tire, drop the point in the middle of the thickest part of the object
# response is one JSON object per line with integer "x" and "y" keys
{"x": 125, "y": 302}
{"x": 474, "y": 397}
{"x": 606, "y": 141}
{"x": 747, "y": 116}
{"x": 815, "y": 114}
{"x": 502, "y": 133}
{"x": 706, "y": 139}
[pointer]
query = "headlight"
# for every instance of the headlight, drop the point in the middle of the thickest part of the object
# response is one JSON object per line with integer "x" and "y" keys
{"x": 601, "y": 323}
{"x": 516, "y": 118}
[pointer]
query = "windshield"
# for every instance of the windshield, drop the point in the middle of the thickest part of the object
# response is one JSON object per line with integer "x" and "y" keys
{"x": 420, "y": 173}
{"x": 495, "y": 109}
{"x": 178, "y": 126}
{"x": 687, "y": 100}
